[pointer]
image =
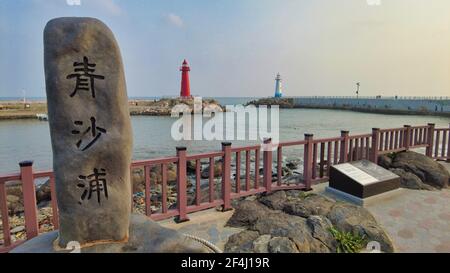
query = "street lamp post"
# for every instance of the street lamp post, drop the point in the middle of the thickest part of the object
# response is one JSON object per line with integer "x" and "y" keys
{"x": 357, "y": 89}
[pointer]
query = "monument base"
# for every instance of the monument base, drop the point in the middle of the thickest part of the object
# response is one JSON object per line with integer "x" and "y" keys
{"x": 343, "y": 196}
{"x": 146, "y": 236}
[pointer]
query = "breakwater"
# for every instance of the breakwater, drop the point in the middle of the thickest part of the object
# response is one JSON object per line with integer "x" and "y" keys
{"x": 386, "y": 105}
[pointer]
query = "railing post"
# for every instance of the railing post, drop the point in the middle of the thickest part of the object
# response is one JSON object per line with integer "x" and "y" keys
{"x": 375, "y": 144}
{"x": 407, "y": 137}
{"x": 181, "y": 186}
{"x": 308, "y": 161}
{"x": 226, "y": 174}
{"x": 267, "y": 164}
{"x": 29, "y": 199}
{"x": 430, "y": 140}
{"x": 344, "y": 147}
{"x": 448, "y": 145}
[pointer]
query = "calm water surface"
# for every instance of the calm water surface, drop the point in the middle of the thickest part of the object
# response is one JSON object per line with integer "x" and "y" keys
{"x": 30, "y": 139}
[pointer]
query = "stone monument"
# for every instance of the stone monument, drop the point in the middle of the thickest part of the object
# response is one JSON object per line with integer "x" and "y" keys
{"x": 90, "y": 130}
{"x": 91, "y": 138}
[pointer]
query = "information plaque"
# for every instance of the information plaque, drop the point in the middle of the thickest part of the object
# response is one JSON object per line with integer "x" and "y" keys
{"x": 362, "y": 179}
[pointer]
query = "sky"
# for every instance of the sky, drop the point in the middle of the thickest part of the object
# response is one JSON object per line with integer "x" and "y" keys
{"x": 236, "y": 47}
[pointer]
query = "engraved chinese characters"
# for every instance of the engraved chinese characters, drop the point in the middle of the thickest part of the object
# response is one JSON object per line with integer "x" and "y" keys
{"x": 85, "y": 81}
{"x": 90, "y": 130}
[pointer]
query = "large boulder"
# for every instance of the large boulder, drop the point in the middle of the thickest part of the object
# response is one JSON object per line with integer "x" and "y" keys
{"x": 410, "y": 180}
{"x": 385, "y": 161}
{"x": 359, "y": 221}
{"x": 294, "y": 221}
{"x": 428, "y": 170}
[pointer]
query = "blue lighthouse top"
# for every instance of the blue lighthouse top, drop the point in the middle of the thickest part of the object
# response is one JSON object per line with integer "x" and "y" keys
{"x": 278, "y": 92}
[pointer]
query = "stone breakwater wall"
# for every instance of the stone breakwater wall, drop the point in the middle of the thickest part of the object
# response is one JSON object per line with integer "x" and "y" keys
{"x": 390, "y": 105}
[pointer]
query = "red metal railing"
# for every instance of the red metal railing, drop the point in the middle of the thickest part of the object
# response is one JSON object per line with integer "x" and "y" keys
{"x": 318, "y": 156}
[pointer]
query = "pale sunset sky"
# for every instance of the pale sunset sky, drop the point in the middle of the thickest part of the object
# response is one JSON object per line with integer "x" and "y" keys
{"x": 236, "y": 47}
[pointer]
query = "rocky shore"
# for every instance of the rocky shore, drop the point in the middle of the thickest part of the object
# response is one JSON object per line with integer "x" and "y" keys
{"x": 281, "y": 102}
{"x": 162, "y": 107}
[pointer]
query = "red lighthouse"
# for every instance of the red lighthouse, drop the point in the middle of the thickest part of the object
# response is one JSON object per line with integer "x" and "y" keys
{"x": 185, "y": 86}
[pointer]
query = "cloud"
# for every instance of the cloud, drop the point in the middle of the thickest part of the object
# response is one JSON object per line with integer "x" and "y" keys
{"x": 174, "y": 20}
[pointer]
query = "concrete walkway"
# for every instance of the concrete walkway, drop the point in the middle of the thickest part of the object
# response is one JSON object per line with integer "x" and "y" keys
{"x": 208, "y": 225}
{"x": 416, "y": 221}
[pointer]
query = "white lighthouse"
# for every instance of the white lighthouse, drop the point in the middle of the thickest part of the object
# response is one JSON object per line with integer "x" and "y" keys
{"x": 278, "y": 92}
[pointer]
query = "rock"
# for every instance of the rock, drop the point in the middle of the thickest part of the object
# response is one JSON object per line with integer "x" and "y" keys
{"x": 138, "y": 180}
{"x": 15, "y": 204}
{"x": 247, "y": 213}
{"x": 217, "y": 170}
{"x": 320, "y": 226}
{"x": 261, "y": 244}
{"x": 14, "y": 189}
{"x": 293, "y": 164}
{"x": 285, "y": 171}
{"x": 90, "y": 130}
{"x": 274, "y": 200}
{"x": 282, "y": 245}
{"x": 281, "y": 102}
{"x": 17, "y": 229}
{"x": 191, "y": 167}
{"x": 44, "y": 193}
{"x": 12, "y": 198}
{"x": 171, "y": 176}
{"x": 428, "y": 170}
{"x": 241, "y": 242}
{"x": 312, "y": 204}
{"x": 305, "y": 219}
{"x": 146, "y": 236}
{"x": 411, "y": 181}
{"x": 359, "y": 221}
{"x": 385, "y": 161}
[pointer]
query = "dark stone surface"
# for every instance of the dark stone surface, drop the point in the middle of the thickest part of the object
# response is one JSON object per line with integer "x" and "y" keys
{"x": 241, "y": 242}
{"x": 411, "y": 181}
{"x": 247, "y": 213}
{"x": 66, "y": 41}
{"x": 282, "y": 245}
{"x": 385, "y": 161}
{"x": 308, "y": 205}
{"x": 274, "y": 201}
{"x": 146, "y": 236}
{"x": 428, "y": 170}
{"x": 320, "y": 226}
